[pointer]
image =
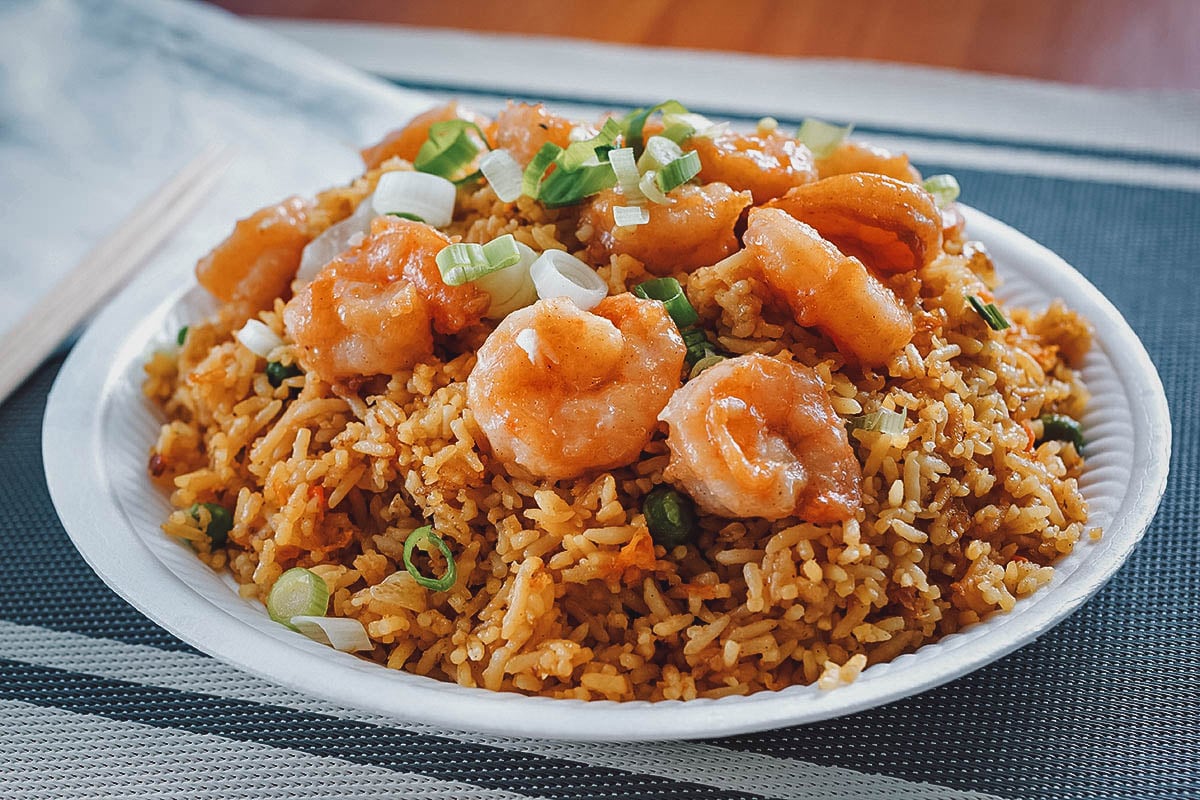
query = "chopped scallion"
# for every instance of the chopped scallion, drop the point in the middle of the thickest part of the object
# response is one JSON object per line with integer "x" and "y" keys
{"x": 503, "y": 173}
{"x": 822, "y": 138}
{"x": 624, "y": 165}
{"x": 670, "y": 293}
{"x": 564, "y": 187}
{"x": 556, "y": 273}
{"x": 678, "y": 132}
{"x": 648, "y": 186}
{"x": 630, "y": 215}
{"x": 220, "y": 522}
{"x": 462, "y": 262}
{"x": 704, "y": 363}
{"x": 431, "y": 198}
{"x": 1062, "y": 428}
{"x": 670, "y": 516}
{"x": 181, "y": 337}
{"x": 535, "y": 171}
{"x": 259, "y": 339}
{"x": 418, "y": 538}
{"x": 635, "y": 122}
{"x": 405, "y": 215}
{"x": 297, "y": 593}
{"x": 944, "y": 188}
{"x": 449, "y": 148}
{"x": 992, "y": 315}
{"x": 696, "y": 341}
{"x": 883, "y": 420}
{"x": 580, "y": 153}
{"x": 659, "y": 152}
{"x": 679, "y": 171}
{"x": 277, "y": 372}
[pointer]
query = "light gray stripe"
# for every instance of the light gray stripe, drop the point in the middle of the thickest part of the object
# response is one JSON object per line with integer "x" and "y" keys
{"x": 51, "y": 754}
{"x": 892, "y": 95}
{"x": 786, "y": 779}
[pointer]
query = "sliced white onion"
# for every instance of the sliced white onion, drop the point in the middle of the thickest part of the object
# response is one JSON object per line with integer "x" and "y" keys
{"x": 503, "y": 173}
{"x": 429, "y": 197}
{"x": 340, "y": 633}
{"x": 527, "y": 340}
{"x": 336, "y": 240}
{"x": 630, "y": 215}
{"x": 625, "y": 166}
{"x": 559, "y": 274}
{"x": 512, "y": 287}
{"x": 258, "y": 338}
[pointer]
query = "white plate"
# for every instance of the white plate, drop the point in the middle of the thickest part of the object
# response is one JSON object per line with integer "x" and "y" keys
{"x": 98, "y": 430}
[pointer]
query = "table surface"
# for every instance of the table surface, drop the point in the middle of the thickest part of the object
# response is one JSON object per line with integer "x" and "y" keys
{"x": 101, "y": 702}
{"x": 1114, "y": 43}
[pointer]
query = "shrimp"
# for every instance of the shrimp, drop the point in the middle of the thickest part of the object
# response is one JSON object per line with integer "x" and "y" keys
{"x": 406, "y": 142}
{"x": 860, "y": 157}
{"x": 889, "y": 225}
{"x": 373, "y": 309}
{"x": 694, "y": 231}
{"x": 560, "y": 391}
{"x": 256, "y": 263}
{"x": 767, "y": 166}
{"x": 754, "y": 436}
{"x": 522, "y": 130}
{"x": 826, "y": 289}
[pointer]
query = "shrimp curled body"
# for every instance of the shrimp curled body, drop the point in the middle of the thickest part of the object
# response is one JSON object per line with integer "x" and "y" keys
{"x": 826, "y": 289}
{"x": 754, "y": 436}
{"x": 561, "y": 391}
{"x": 890, "y": 225}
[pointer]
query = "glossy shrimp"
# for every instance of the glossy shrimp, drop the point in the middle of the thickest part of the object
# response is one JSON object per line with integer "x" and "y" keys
{"x": 522, "y": 129}
{"x": 861, "y": 157}
{"x": 767, "y": 166}
{"x": 256, "y": 263}
{"x": 406, "y": 142}
{"x": 827, "y": 289}
{"x": 560, "y": 391}
{"x": 889, "y": 225}
{"x": 696, "y": 230}
{"x": 754, "y": 436}
{"x": 374, "y": 308}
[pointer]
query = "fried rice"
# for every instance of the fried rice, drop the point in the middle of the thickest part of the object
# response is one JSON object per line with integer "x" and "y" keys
{"x": 562, "y": 591}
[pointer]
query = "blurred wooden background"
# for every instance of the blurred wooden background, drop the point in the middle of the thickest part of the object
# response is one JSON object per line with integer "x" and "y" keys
{"x": 1117, "y": 43}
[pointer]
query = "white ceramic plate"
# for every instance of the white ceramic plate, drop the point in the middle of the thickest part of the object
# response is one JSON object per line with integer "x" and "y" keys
{"x": 98, "y": 430}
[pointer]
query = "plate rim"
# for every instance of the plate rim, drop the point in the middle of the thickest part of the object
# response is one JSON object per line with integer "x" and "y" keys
{"x": 313, "y": 669}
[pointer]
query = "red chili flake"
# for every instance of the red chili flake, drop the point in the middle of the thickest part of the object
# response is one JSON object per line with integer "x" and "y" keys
{"x": 318, "y": 491}
{"x": 158, "y": 465}
{"x": 1028, "y": 432}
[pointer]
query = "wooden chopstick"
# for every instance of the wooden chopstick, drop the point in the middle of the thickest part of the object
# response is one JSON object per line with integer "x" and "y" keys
{"x": 106, "y": 267}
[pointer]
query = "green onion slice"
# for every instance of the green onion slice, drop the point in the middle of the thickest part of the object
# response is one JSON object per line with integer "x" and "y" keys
{"x": 944, "y": 188}
{"x": 220, "y": 522}
{"x": 659, "y": 152}
{"x": 822, "y": 138}
{"x": 649, "y": 187}
{"x": 670, "y": 516}
{"x": 564, "y": 187}
{"x": 463, "y": 262}
{"x": 883, "y": 420}
{"x": 449, "y": 148}
{"x": 417, "y": 539}
{"x": 535, "y": 172}
{"x": 1061, "y": 428}
{"x": 580, "y": 153}
{"x": 405, "y": 215}
{"x": 670, "y": 293}
{"x": 679, "y": 171}
{"x": 297, "y": 593}
{"x": 624, "y": 165}
{"x": 992, "y": 315}
{"x": 678, "y": 132}
{"x": 503, "y": 173}
{"x": 626, "y": 216}
{"x": 181, "y": 337}
{"x": 277, "y": 372}
{"x": 700, "y": 124}
{"x": 635, "y": 121}
{"x": 702, "y": 364}
{"x": 698, "y": 347}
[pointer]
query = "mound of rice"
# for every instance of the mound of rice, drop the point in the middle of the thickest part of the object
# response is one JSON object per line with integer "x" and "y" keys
{"x": 561, "y": 590}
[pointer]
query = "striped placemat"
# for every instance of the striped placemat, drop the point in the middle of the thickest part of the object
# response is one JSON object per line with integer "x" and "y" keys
{"x": 102, "y": 703}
